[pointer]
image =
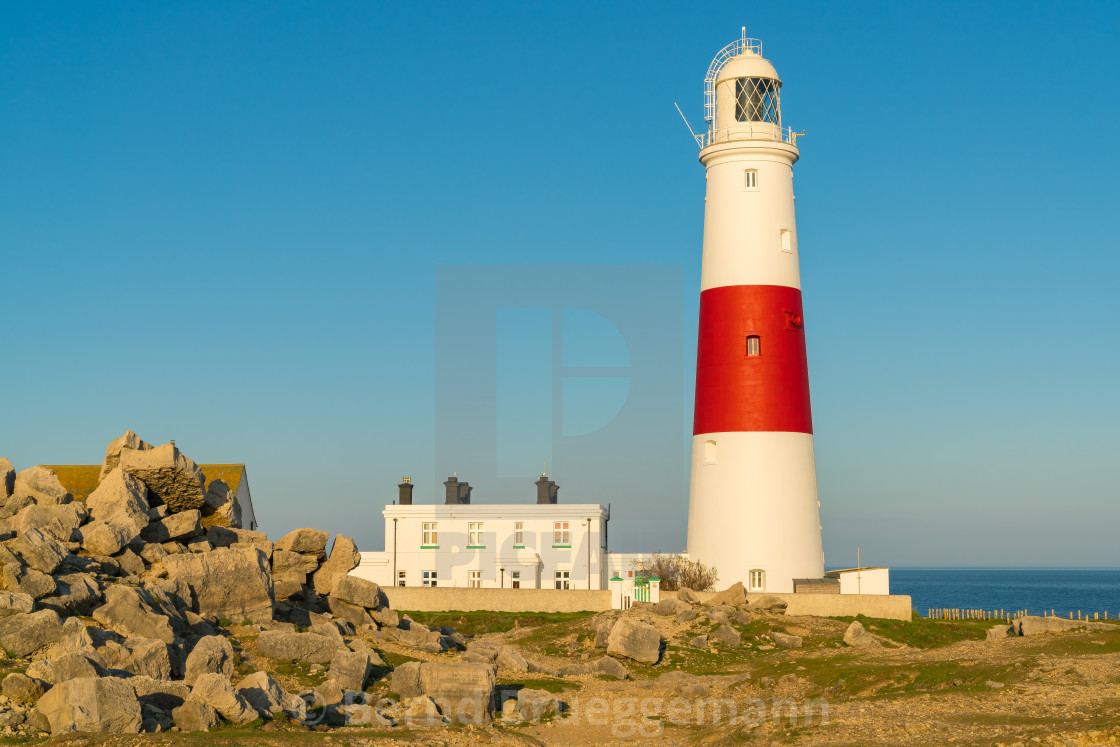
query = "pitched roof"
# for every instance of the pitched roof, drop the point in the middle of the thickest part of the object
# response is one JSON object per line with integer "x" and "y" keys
{"x": 81, "y": 479}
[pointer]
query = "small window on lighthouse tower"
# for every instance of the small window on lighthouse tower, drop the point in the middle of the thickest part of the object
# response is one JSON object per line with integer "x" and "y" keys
{"x": 787, "y": 240}
{"x": 750, "y": 180}
{"x": 754, "y": 345}
{"x": 709, "y": 452}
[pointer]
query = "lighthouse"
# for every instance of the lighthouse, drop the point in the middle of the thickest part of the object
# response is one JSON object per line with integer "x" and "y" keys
{"x": 753, "y": 512}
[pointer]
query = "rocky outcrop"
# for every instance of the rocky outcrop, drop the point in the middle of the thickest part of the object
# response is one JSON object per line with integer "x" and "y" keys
{"x": 179, "y": 527}
{"x": 134, "y": 612}
{"x": 56, "y": 520}
{"x": 23, "y": 635}
{"x": 309, "y": 647}
{"x": 194, "y": 716}
{"x": 216, "y": 691}
{"x": 41, "y": 485}
{"x": 220, "y": 506}
{"x": 213, "y": 654}
{"x": 306, "y": 541}
{"x": 171, "y": 478}
{"x": 94, "y": 705}
{"x": 113, "y": 451}
{"x": 246, "y": 588}
{"x": 634, "y": 640}
{"x": 768, "y": 603}
{"x": 38, "y": 550}
{"x": 343, "y": 559}
{"x": 120, "y": 498}
{"x": 7, "y": 479}
{"x": 265, "y": 694}
{"x": 463, "y": 692}
{"x": 733, "y": 595}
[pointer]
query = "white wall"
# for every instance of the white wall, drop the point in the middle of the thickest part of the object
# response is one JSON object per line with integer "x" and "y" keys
{"x": 865, "y": 581}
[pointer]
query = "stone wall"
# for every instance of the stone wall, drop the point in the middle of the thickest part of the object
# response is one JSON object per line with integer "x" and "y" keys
{"x": 883, "y": 606}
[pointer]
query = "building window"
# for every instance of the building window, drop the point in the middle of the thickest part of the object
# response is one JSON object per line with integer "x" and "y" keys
{"x": 474, "y": 579}
{"x": 709, "y": 452}
{"x": 756, "y": 100}
{"x": 754, "y": 345}
{"x": 402, "y": 577}
{"x": 750, "y": 179}
{"x": 515, "y": 577}
{"x": 430, "y": 578}
{"x": 562, "y": 535}
{"x": 519, "y": 533}
{"x": 787, "y": 240}
{"x": 563, "y": 580}
{"x": 757, "y": 580}
{"x": 474, "y": 534}
{"x": 430, "y": 535}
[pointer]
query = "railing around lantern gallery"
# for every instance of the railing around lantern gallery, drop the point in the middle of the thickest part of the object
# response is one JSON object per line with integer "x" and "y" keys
{"x": 746, "y": 131}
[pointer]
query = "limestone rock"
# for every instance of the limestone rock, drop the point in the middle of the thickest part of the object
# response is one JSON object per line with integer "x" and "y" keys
{"x": 464, "y": 692}
{"x": 15, "y": 603}
{"x": 782, "y": 640}
{"x": 148, "y": 657}
{"x": 113, "y": 451}
{"x": 510, "y": 660}
{"x": 768, "y": 603}
{"x": 857, "y": 636}
{"x": 160, "y": 693}
{"x": 634, "y": 640}
{"x": 22, "y": 635}
{"x": 134, "y": 612}
{"x": 180, "y": 526}
{"x": 171, "y": 477}
{"x": 359, "y": 591}
{"x": 212, "y": 653}
{"x": 669, "y": 607}
{"x": 532, "y": 704}
{"x": 343, "y": 559}
{"x": 700, "y": 641}
{"x": 733, "y": 595}
{"x": 7, "y": 479}
{"x": 23, "y": 689}
{"x": 41, "y": 484}
{"x": 612, "y": 668}
{"x": 1000, "y": 631}
{"x": 309, "y": 647}
{"x": 195, "y": 717}
{"x": 687, "y": 595}
{"x": 686, "y": 615}
{"x": 351, "y": 613}
{"x": 74, "y": 594}
{"x": 220, "y": 506}
{"x": 246, "y": 588}
{"x": 56, "y": 520}
{"x": 215, "y": 691}
{"x": 38, "y": 550}
{"x": 120, "y": 497}
{"x": 264, "y": 694}
{"x": 726, "y": 635}
{"x": 62, "y": 668}
{"x": 350, "y": 669}
{"x": 308, "y": 541}
{"x": 102, "y": 538}
{"x": 230, "y": 536}
{"x": 91, "y": 705}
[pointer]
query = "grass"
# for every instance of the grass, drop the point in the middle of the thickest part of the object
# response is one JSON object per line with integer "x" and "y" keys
{"x": 919, "y": 632}
{"x": 479, "y": 623}
{"x": 548, "y": 684}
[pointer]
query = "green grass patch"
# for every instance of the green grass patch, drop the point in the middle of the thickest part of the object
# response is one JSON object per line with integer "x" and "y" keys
{"x": 479, "y": 623}
{"x": 919, "y": 632}
{"x": 549, "y": 684}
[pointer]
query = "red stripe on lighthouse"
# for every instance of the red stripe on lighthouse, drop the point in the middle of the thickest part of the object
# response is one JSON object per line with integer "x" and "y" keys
{"x": 740, "y": 392}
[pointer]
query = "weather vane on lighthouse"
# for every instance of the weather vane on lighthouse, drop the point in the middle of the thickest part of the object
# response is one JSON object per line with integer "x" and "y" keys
{"x": 753, "y": 509}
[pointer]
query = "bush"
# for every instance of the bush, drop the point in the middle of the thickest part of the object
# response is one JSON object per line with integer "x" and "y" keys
{"x": 677, "y": 572}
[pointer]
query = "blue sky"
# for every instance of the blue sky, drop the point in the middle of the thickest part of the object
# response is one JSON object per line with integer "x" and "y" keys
{"x": 221, "y": 223}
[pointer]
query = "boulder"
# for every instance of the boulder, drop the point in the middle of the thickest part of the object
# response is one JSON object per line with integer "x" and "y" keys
{"x": 686, "y": 615}
{"x": 102, "y": 538}
{"x": 129, "y": 611}
{"x": 148, "y": 657}
{"x": 419, "y": 637}
{"x": 120, "y": 498}
{"x": 726, "y": 635}
{"x": 309, "y": 647}
{"x": 510, "y": 660}
{"x": 343, "y": 559}
{"x": 62, "y": 668}
{"x": 57, "y": 520}
{"x": 421, "y": 711}
{"x": 23, "y": 689}
{"x": 769, "y": 603}
{"x": 359, "y": 591}
{"x": 1001, "y": 631}
{"x": 215, "y": 691}
{"x": 351, "y": 613}
{"x": 350, "y": 669}
{"x": 733, "y": 595}
{"x": 687, "y": 595}
{"x": 7, "y": 479}
{"x": 23, "y": 635}
{"x": 171, "y": 478}
{"x": 464, "y": 692}
{"x": 669, "y": 607}
{"x": 160, "y": 693}
{"x": 113, "y": 451}
{"x": 246, "y": 588}
{"x": 533, "y": 704}
{"x": 230, "y": 536}
{"x": 130, "y": 563}
{"x": 15, "y": 603}
{"x": 220, "y": 506}
{"x": 264, "y": 694}
{"x": 41, "y": 485}
{"x": 307, "y": 541}
{"x": 700, "y": 641}
{"x": 857, "y": 636}
{"x": 38, "y": 550}
{"x": 782, "y": 640}
{"x": 611, "y": 667}
{"x": 634, "y": 640}
{"x": 91, "y": 705}
{"x": 195, "y": 717}
{"x": 180, "y": 527}
{"x": 329, "y": 693}
{"x": 74, "y": 594}
{"x": 212, "y": 653}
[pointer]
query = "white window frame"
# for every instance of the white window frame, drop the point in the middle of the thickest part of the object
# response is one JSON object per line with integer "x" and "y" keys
{"x": 750, "y": 180}
{"x": 515, "y": 579}
{"x": 402, "y": 578}
{"x": 563, "y": 579}
{"x": 431, "y": 578}
{"x": 430, "y": 536}
{"x": 561, "y": 533}
{"x": 474, "y": 533}
{"x": 474, "y": 579}
{"x": 754, "y": 346}
{"x": 756, "y": 580}
{"x": 519, "y": 533}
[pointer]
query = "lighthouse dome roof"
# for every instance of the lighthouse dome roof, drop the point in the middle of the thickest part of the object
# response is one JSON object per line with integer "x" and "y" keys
{"x": 748, "y": 65}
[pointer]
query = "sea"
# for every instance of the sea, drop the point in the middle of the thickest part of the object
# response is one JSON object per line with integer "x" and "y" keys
{"x": 1036, "y": 590}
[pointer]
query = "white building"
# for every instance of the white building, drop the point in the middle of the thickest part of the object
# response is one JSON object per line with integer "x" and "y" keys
{"x": 543, "y": 545}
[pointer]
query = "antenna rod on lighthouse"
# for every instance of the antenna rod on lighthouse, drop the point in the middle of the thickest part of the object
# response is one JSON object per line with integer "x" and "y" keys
{"x": 698, "y": 138}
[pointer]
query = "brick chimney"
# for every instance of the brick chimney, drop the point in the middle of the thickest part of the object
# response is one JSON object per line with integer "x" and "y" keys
{"x": 457, "y": 492}
{"x": 405, "y": 491}
{"x": 546, "y": 490}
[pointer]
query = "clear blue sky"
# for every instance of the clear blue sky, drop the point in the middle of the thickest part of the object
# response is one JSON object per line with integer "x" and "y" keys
{"x": 221, "y": 223}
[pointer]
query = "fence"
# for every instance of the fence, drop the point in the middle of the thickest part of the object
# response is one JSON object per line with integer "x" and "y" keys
{"x": 942, "y": 613}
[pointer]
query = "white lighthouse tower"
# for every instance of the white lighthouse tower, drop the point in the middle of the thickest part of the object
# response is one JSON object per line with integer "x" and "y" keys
{"x": 753, "y": 512}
